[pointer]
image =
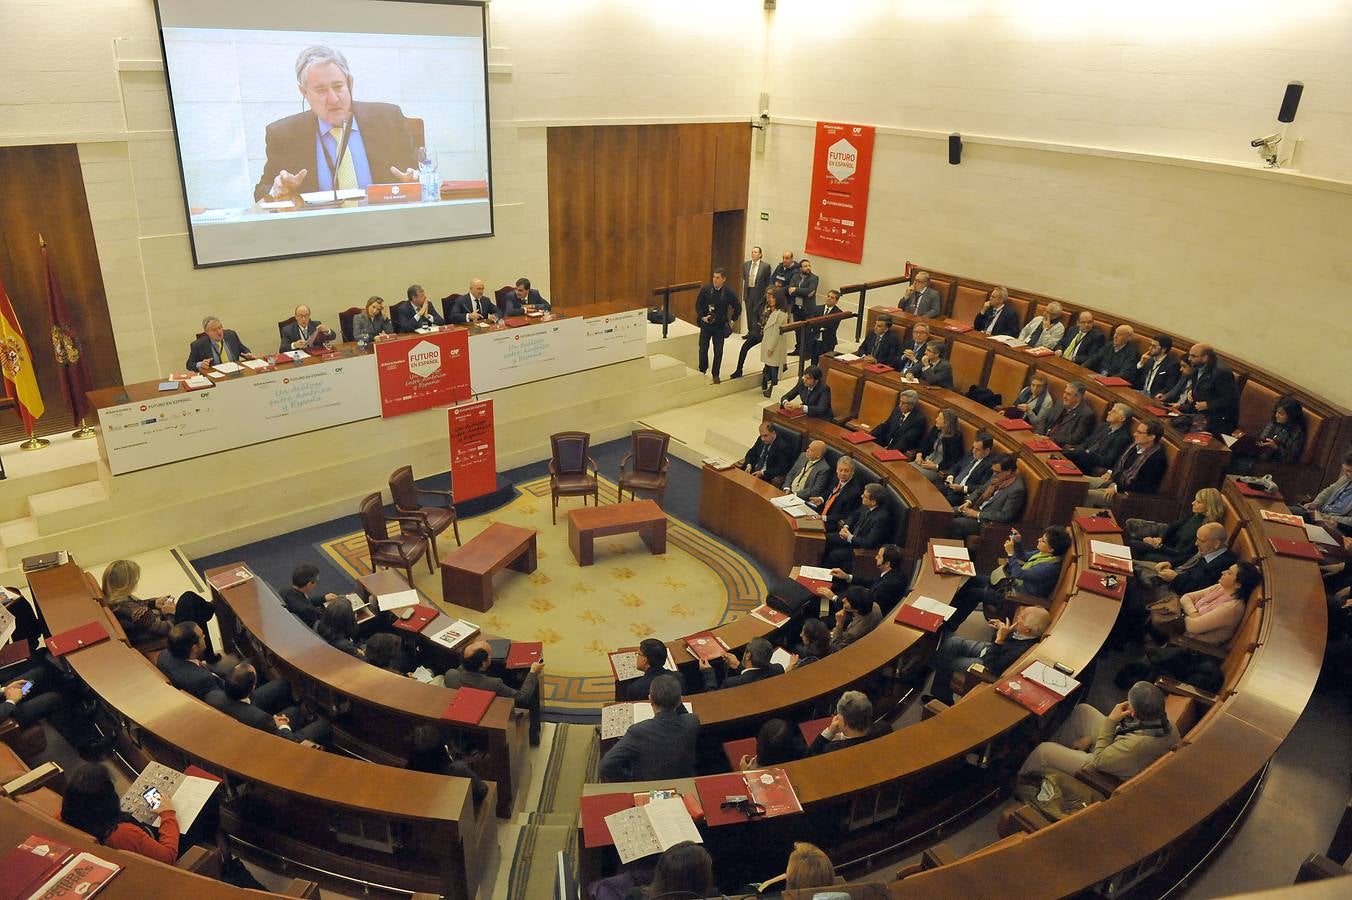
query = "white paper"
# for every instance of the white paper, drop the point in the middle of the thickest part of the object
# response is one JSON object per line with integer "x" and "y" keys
{"x": 930, "y": 605}
{"x": 816, "y": 573}
{"x": 423, "y": 674}
{"x": 455, "y": 635}
{"x": 944, "y": 551}
{"x": 1117, "y": 551}
{"x": 848, "y": 357}
{"x": 296, "y": 355}
{"x": 785, "y": 501}
{"x": 1230, "y": 439}
{"x": 800, "y": 510}
{"x": 782, "y": 657}
{"x": 198, "y": 381}
{"x": 329, "y": 196}
{"x": 277, "y": 204}
{"x": 397, "y": 600}
{"x": 214, "y": 374}
{"x": 228, "y": 368}
{"x": 255, "y": 364}
{"x": 648, "y": 830}
{"x": 1313, "y": 532}
{"x": 1059, "y": 683}
{"x": 189, "y": 799}
{"x": 618, "y": 717}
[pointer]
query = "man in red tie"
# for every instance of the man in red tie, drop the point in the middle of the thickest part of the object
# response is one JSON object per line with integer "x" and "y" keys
{"x": 843, "y": 499}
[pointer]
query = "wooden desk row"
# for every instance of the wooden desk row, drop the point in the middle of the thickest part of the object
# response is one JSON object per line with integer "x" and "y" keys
{"x": 364, "y": 822}
{"x": 372, "y": 710}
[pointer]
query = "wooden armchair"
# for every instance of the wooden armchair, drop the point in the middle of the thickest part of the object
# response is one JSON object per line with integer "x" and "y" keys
{"x": 648, "y": 450}
{"x": 572, "y": 471}
{"x": 398, "y": 552}
{"x": 432, "y": 520}
{"x": 345, "y": 323}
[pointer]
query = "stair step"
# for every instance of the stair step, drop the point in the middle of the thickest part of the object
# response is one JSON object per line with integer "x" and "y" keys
{"x": 66, "y": 507}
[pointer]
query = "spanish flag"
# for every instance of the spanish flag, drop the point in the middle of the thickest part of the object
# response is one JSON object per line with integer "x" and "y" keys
{"x": 21, "y": 382}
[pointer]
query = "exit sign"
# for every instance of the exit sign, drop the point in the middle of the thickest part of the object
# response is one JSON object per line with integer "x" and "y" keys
{"x": 765, "y": 217}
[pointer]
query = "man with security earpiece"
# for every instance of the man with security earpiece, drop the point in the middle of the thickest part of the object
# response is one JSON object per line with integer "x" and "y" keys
{"x": 337, "y": 142}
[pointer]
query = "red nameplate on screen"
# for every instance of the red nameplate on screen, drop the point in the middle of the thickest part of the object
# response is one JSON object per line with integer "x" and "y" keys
{"x": 1249, "y": 490}
{"x": 1298, "y": 549}
{"x": 86, "y": 635}
{"x": 1014, "y": 424}
{"x": 1064, "y": 467}
{"x": 878, "y": 368}
{"x": 469, "y": 705}
{"x": 523, "y": 653}
{"x": 418, "y": 620}
{"x": 884, "y": 454}
{"x": 1098, "y": 524}
{"x": 858, "y": 437}
{"x": 792, "y": 412}
{"x": 1042, "y": 445}
{"x": 1112, "y": 381}
{"x": 393, "y": 193}
{"x": 1093, "y": 581}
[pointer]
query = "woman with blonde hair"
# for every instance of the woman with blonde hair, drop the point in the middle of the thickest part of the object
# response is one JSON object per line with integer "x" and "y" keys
{"x": 808, "y": 868}
{"x": 142, "y": 620}
{"x": 1155, "y": 542}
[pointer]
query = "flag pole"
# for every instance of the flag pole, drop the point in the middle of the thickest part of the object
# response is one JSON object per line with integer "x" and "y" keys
{"x": 84, "y": 432}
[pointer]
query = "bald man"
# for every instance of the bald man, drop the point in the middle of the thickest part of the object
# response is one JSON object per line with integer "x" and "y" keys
{"x": 474, "y": 307}
{"x": 305, "y": 332}
{"x": 810, "y": 475}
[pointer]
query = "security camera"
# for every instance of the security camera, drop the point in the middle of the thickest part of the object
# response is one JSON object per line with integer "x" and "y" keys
{"x": 1270, "y": 139}
{"x": 1267, "y": 148}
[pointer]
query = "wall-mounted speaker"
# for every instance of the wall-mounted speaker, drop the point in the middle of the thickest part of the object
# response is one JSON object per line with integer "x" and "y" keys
{"x": 954, "y": 149}
{"x": 1290, "y": 100}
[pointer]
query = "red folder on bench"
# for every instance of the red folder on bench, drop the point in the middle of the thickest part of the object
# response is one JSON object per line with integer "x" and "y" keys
{"x": 1249, "y": 490}
{"x": 1014, "y": 424}
{"x": 1298, "y": 549}
{"x": 86, "y": 635}
{"x": 1093, "y": 582}
{"x": 594, "y": 810}
{"x": 858, "y": 437}
{"x": 1112, "y": 381}
{"x": 1098, "y": 524}
{"x": 883, "y": 454}
{"x": 523, "y": 654}
{"x": 878, "y": 368}
{"x": 1042, "y": 445}
{"x": 956, "y": 325}
{"x": 1064, "y": 467}
{"x": 920, "y": 619}
{"x": 468, "y": 706}
{"x": 792, "y": 412}
{"x": 1028, "y": 694}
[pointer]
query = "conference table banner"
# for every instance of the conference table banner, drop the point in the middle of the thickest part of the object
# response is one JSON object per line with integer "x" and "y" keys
{"x": 474, "y": 456}
{"x": 420, "y": 371}
{"x": 841, "y": 164}
{"x": 237, "y": 412}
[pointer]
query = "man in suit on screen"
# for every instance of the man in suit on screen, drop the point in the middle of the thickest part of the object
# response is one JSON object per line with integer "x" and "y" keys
{"x": 337, "y": 142}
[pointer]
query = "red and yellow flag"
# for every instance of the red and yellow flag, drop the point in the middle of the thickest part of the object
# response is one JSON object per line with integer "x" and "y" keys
{"x": 21, "y": 382}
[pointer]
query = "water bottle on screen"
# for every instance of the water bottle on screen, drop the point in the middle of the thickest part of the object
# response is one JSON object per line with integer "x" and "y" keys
{"x": 427, "y": 174}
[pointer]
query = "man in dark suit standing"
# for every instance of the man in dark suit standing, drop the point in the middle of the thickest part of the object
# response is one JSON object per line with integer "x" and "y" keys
{"x": 770, "y": 457}
{"x": 1213, "y": 390}
{"x": 824, "y": 341}
{"x": 217, "y": 345}
{"x": 652, "y": 660}
{"x": 921, "y": 300}
{"x": 755, "y": 666}
{"x": 1157, "y": 370}
{"x": 305, "y": 332}
{"x": 474, "y": 307}
{"x": 662, "y": 747}
{"x": 715, "y": 309}
{"x": 338, "y": 142}
{"x": 813, "y": 391}
{"x": 803, "y": 295}
{"x": 419, "y": 313}
{"x": 755, "y": 280}
{"x": 869, "y": 526}
{"x": 1083, "y": 342}
{"x": 1075, "y": 422}
{"x": 997, "y": 316}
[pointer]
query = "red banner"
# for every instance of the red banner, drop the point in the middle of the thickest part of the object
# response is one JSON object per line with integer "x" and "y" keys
{"x": 840, "y": 172}
{"x": 474, "y": 455}
{"x": 420, "y": 371}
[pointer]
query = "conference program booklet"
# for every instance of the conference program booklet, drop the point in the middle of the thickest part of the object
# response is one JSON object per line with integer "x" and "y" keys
{"x": 397, "y": 600}
{"x": 156, "y": 782}
{"x": 459, "y": 632}
{"x": 769, "y": 615}
{"x": 1112, "y": 557}
{"x": 652, "y": 828}
{"x": 225, "y": 580}
{"x": 951, "y": 560}
{"x": 624, "y": 663}
{"x": 925, "y": 613}
{"x": 617, "y": 717}
{"x": 705, "y": 645}
{"x": 84, "y": 876}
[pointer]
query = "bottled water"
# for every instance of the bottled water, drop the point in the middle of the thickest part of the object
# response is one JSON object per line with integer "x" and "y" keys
{"x": 427, "y": 174}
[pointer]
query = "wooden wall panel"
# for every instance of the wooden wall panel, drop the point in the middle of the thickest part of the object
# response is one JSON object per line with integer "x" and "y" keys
{"x": 659, "y": 154}
{"x": 617, "y": 212}
{"x": 698, "y": 154}
{"x": 732, "y": 169}
{"x": 42, "y": 191}
{"x": 572, "y": 215}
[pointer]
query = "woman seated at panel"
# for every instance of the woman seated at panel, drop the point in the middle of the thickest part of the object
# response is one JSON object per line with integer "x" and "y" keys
{"x": 777, "y": 742}
{"x": 1281, "y": 440}
{"x": 338, "y": 626}
{"x": 1032, "y": 572}
{"x": 1173, "y": 542}
{"x": 91, "y": 804}
{"x": 371, "y": 322}
{"x": 941, "y": 450}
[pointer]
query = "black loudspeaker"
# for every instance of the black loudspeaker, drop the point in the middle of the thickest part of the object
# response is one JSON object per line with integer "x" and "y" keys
{"x": 1290, "y": 100}
{"x": 954, "y": 149}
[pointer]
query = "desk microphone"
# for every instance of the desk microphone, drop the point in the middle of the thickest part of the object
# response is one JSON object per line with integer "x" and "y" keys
{"x": 342, "y": 151}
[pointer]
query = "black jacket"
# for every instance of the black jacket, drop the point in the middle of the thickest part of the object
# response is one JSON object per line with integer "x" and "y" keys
{"x": 1102, "y": 448}
{"x": 886, "y": 590}
{"x": 748, "y": 676}
{"x": 870, "y": 528}
{"x": 405, "y": 321}
{"x": 203, "y": 350}
{"x": 774, "y": 458}
{"x": 898, "y": 435}
{"x": 186, "y": 675}
{"x": 1006, "y": 320}
{"x": 846, "y": 502}
{"x": 816, "y": 399}
{"x": 717, "y": 304}
{"x": 1148, "y": 478}
{"x": 1117, "y": 362}
{"x": 1201, "y": 574}
{"x": 662, "y": 747}
{"x": 885, "y": 348}
{"x": 1215, "y": 384}
{"x": 464, "y": 305}
{"x": 1164, "y": 379}
{"x": 1089, "y": 346}
{"x": 638, "y": 688}
{"x": 307, "y": 609}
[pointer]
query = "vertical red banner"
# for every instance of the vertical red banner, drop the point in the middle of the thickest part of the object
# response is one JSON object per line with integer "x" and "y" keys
{"x": 474, "y": 455}
{"x": 420, "y": 371}
{"x": 841, "y": 164}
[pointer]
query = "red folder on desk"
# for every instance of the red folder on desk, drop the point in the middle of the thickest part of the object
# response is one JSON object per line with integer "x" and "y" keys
{"x": 524, "y": 653}
{"x": 878, "y": 368}
{"x": 792, "y": 412}
{"x": 705, "y": 645}
{"x": 1064, "y": 467}
{"x": 594, "y": 810}
{"x": 1014, "y": 424}
{"x": 920, "y": 619}
{"x": 1198, "y": 437}
{"x": 1298, "y": 549}
{"x": 712, "y": 791}
{"x": 1098, "y": 524}
{"x": 416, "y": 622}
{"x": 1093, "y": 582}
{"x": 28, "y": 866}
{"x": 86, "y": 635}
{"x": 1038, "y": 351}
{"x": 858, "y": 437}
{"x": 515, "y": 321}
{"x": 883, "y": 454}
{"x": 1112, "y": 381}
{"x": 1027, "y": 693}
{"x": 812, "y": 583}
{"x": 957, "y": 325}
{"x": 1042, "y": 445}
{"x": 469, "y": 705}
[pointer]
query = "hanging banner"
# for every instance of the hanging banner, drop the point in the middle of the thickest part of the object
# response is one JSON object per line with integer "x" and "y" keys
{"x": 420, "y": 371}
{"x": 840, "y": 173}
{"x": 474, "y": 455}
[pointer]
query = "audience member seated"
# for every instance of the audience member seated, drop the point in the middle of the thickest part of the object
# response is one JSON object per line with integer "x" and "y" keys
{"x": 810, "y": 474}
{"x": 142, "y": 620}
{"x": 473, "y": 307}
{"x": 882, "y": 345}
{"x": 1198, "y": 571}
{"x": 934, "y": 370}
{"x": 858, "y": 615}
{"x": 1118, "y": 359}
{"x": 371, "y": 322}
{"x": 913, "y": 350}
{"x": 304, "y": 333}
{"x": 1282, "y": 440}
{"x": 1032, "y": 572}
{"x": 968, "y": 478}
{"x": 1000, "y": 502}
{"x": 1037, "y": 404}
{"x": 1181, "y": 392}
{"x": 1136, "y": 733}
{"x": 1011, "y": 639}
{"x": 37, "y": 696}
{"x": 813, "y": 392}
{"x": 528, "y": 298}
{"x": 886, "y": 590}
{"x": 755, "y": 666}
{"x": 428, "y": 753}
{"x": 240, "y": 706}
{"x": 1156, "y": 542}
{"x": 473, "y": 672}
{"x": 660, "y": 747}
{"x": 1045, "y": 330}
{"x": 297, "y": 597}
{"x": 996, "y": 316}
{"x": 1156, "y": 370}
{"x": 1139, "y": 470}
{"x": 838, "y": 504}
{"x": 1214, "y": 404}
{"x": 1075, "y": 422}
{"x": 91, "y": 804}
{"x": 683, "y": 870}
{"x": 905, "y": 428}
{"x": 420, "y": 313}
{"x": 652, "y": 660}
{"x": 182, "y": 662}
{"x": 1102, "y": 448}
{"x": 869, "y": 526}
{"x": 386, "y": 651}
{"x": 338, "y": 625}
{"x": 217, "y": 344}
{"x": 814, "y": 642}
{"x": 808, "y": 868}
{"x": 941, "y": 450}
{"x": 770, "y": 457}
{"x": 921, "y": 300}
{"x": 777, "y": 742}
{"x": 852, "y": 724}
{"x": 1083, "y": 342}
{"x": 1332, "y": 506}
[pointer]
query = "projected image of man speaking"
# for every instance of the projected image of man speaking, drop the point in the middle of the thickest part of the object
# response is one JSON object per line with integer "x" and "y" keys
{"x": 339, "y": 142}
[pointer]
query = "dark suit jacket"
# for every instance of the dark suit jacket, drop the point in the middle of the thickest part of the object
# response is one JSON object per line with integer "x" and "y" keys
{"x": 886, "y": 590}
{"x": 746, "y": 676}
{"x": 817, "y": 482}
{"x": 255, "y": 718}
{"x": 898, "y": 435}
{"x": 720, "y": 304}
{"x": 1216, "y": 386}
{"x": 1101, "y": 449}
{"x": 805, "y": 289}
{"x": 827, "y": 334}
{"x": 510, "y": 305}
{"x": 662, "y": 747}
{"x": 455, "y": 678}
{"x": 307, "y": 609}
{"x": 405, "y": 321}
{"x": 1073, "y": 426}
{"x": 816, "y": 400}
{"x": 754, "y": 294}
{"x": 980, "y": 472}
{"x": 777, "y": 457}
{"x": 187, "y": 676}
{"x": 291, "y": 146}
{"x": 885, "y": 349}
{"x": 822, "y": 745}
{"x": 1147, "y": 479}
{"x": 1006, "y": 504}
{"x": 1006, "y": 320}
{"x": 1195, "y": 573}
{"x": 203, "y": 350}
{"x": 910, "y": 365}
{"x": 1164, "y": 379}
{"x": 940, "y": 374}
{"x": 638, "y": 688}
{"x": 1089, "y": 345}
{"x": 871, "y": 528}
{"x": 846, "y": 502}
{"x": 1116, "y": 362}
{"x": 781, "y": 274}
{"x": 926, "y": 305}
{"x": 291, "y": 333}
{"x": 464, "y": 305}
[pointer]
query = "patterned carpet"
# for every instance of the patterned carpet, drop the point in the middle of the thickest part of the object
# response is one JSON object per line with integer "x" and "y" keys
{"x": 581, "y": 616}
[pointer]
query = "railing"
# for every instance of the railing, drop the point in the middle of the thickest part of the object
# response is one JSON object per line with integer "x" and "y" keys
{"x": 863, "y": 289}
{"x": 665, "y": 293}
{"x": 806, "y": 340}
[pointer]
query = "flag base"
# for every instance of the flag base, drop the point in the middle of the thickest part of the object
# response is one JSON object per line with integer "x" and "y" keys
{"x": 84, "y": 432}
{"x": 34, "y": 443}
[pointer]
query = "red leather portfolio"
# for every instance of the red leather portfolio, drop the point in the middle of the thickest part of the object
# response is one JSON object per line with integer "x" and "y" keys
{"x": 86, "y": 635}
{"x": 919, "y": 618}
{"x": 858, "y": 437}
{"x": 469, "y": 705}
{"x": 1042, "y": 445}
{"x": 1299, "y": 549}
{"x": 1064, "y": 467}
{"x": 422, "y": 615}
{"x": 1112, "y": 381}
{"x": 1014, "y": 424}
{"x": 878, "y": 368}
{"x": 792, "y": 412}
{"x": 883, "y": 454}
{"x": 1098, "y": 524}
{"x": 524, "y": 653}
{"x": 594, "y": 810}
{"x": 1027, "y": 693}
{"x": 1093, "y": 582}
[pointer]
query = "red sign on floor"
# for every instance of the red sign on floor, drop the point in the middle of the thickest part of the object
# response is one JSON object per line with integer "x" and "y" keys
{"x": 420, "y": 371}
{"x": 474, "y": 455}
{"x": 841, "y": 164}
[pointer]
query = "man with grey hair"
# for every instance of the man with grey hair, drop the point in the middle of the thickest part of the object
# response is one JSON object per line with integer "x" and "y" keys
{"x": 1102, "y": 448}
{"x": 836, "y": 505}
{"x": 997, "y": 316}
{"x": 216, "y": 344}
{"x": 921, "y": 300}
{"x": 852, "y": 724}
{"x": 337, "y": 142}
{"x": 1136, "y": 733}
{"x": 1011, "y": 640}
{"x": 473, "y": 307}
{"x": 1073, "y": 425}
{"x": 1118, "y": 359}
{"x": 905, "y": 428}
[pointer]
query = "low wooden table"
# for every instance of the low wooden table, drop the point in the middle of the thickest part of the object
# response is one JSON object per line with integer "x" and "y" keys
{"x": 591, "y": 522}
{"x": 467, "y": 572}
